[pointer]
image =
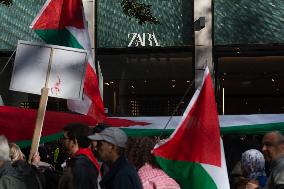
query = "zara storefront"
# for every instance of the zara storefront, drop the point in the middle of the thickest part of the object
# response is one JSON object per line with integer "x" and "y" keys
{"x": 148, "y": 68}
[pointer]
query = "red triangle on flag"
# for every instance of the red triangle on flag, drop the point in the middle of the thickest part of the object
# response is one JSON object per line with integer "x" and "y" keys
{"x": 57, "y": 14}
{"x": 197, "y": 138}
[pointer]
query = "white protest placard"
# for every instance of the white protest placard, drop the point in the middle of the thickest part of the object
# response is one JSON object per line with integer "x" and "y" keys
{"x": 67, "y": 70}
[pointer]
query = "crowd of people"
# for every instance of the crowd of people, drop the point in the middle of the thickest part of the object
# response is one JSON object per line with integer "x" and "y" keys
{"x": 103, "y": 157}
{"x": 261, "y": 169}
{"x": 97, "y": 158}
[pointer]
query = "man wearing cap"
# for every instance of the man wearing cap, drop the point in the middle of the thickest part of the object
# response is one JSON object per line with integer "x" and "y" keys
{"x": 111, "y": 149}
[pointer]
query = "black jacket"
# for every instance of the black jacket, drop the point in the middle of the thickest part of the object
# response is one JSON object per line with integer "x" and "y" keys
{"x": 32, "y": 177}
{"x": 121, "y": 175}
{"x": 80, "y": 173}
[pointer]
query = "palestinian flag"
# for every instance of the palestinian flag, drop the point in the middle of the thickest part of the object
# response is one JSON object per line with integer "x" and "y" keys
{"x": 193, "y": 155}
{"x": 17, "y": 124}
{"x": 62, "y": 22}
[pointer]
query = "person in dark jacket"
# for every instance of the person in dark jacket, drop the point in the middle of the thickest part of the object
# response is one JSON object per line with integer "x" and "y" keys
{"x": 82, "y": 168}
{"x": 33, "y": 178}
{"x": 111, "y": 149}
{"x": 9, "y": 177}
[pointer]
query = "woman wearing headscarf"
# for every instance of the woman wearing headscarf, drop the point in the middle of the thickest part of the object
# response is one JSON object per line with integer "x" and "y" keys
{"x": 253, "y": 169}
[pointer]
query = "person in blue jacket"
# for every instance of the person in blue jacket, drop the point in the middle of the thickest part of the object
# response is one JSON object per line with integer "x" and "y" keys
{"x": 111, "y": 149}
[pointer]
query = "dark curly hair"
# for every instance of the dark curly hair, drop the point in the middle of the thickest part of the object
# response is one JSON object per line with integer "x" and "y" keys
{"x": 79, "y": 132}
{"x": 139, "y": 151}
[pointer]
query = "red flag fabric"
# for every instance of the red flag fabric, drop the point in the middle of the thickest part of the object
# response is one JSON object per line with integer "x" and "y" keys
{"x": 18, "y": 124}
{"x": 197, "y": 138}
{"x": 62, "y": 12}
{"x": 120, "y": 122}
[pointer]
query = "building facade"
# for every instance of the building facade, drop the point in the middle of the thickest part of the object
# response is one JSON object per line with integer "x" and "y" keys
{"x": 148, "y": 69}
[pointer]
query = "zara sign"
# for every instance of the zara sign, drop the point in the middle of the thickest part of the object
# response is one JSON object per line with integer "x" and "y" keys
{"x": 143, "y": 39}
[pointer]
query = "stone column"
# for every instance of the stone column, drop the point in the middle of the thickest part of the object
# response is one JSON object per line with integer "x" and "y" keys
{"x": 203, "y": 38}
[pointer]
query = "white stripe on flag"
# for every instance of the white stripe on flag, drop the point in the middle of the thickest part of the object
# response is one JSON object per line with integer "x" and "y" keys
{"x": 219, "y": 174}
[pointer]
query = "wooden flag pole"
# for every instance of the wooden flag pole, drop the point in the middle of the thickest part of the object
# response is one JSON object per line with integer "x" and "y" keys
{"x": 41, "y": 112}
{"x": 39, "y": 123}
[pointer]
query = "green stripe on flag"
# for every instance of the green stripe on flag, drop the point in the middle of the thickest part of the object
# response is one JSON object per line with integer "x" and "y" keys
{"x": 241, "y": 129}
{"x": 49, "y": 138}
{"x": 59, "y": 37}
{"x": 253, "y": 129}
{"x": 193, "y": 175}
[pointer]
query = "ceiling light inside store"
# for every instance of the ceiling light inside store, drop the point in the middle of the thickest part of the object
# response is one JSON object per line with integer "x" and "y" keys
{"x": 237, "y": 50}
{"x": 106, "y": 83}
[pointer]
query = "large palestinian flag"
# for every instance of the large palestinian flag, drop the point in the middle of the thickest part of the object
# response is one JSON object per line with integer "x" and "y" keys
{"x": 62, "y": 22}
{"x": 17, "y": 124}
{"x": 193, "y": 155}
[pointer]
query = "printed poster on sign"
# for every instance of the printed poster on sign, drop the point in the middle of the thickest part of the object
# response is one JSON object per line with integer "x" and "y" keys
{"x": 67, "y": 70}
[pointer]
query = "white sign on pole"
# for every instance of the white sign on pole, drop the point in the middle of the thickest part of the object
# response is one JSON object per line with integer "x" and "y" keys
{"x": 66, "y": 75}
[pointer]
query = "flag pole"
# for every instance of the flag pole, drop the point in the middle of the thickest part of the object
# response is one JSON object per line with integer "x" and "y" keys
{"x": 176, "y": 109}
{"x": 40, "y": 113}
{"x": 223, "y": 101}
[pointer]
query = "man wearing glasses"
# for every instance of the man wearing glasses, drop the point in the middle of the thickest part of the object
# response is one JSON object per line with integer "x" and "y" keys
{"x": 82, "y": 168}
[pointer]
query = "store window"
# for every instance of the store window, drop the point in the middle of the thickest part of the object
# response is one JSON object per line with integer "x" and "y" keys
{"x": 251, "y": 85}
{"x": 146, "y": 84}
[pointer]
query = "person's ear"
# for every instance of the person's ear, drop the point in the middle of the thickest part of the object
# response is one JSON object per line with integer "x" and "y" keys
{"x": 112, "y": 147}
{"x": 74, "y": 142}
{"x": 282, "y": 147}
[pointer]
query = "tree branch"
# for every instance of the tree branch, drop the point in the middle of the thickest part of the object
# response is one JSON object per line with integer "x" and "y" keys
{"x": 139, "y": 11}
